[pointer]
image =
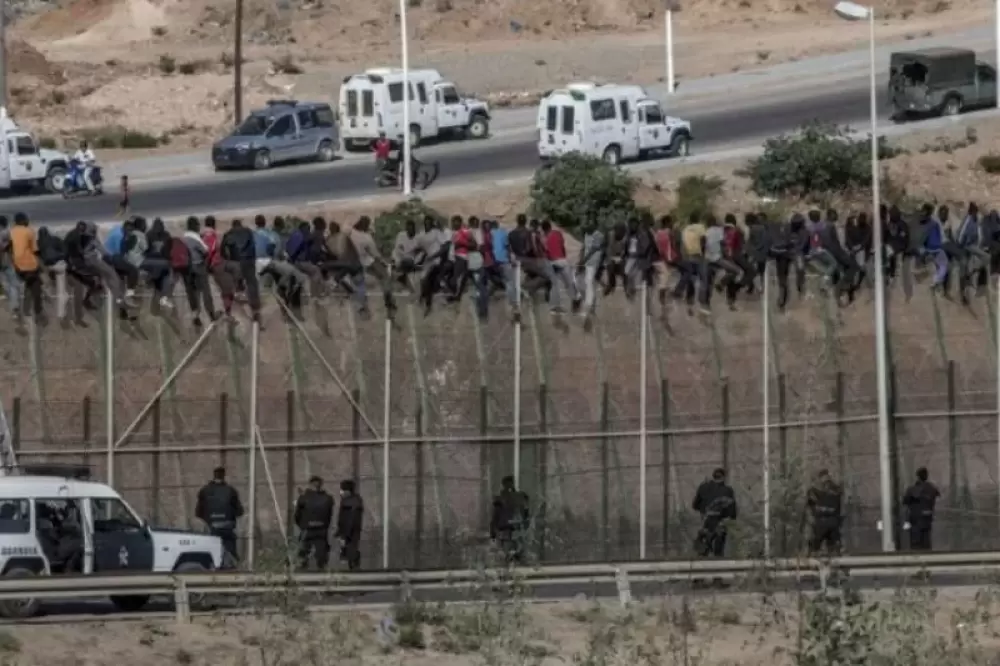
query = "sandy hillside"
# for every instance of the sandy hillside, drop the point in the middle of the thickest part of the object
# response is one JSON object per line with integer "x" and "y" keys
{"x": 713, "y": 631}
{"x": 164, "y": 67}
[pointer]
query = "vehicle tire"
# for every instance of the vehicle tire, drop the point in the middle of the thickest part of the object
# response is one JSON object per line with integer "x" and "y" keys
{"x": 479, "y": 128}
{"x": 952, "y": 106}
{"x": 196, "y": 601}
{"x": 262, "y": 160}
{"x": 414, "y": 136}
{"x": 19, "y": 609}
{"x": 131, "y": 603}
{"x": 55, "y": 179}
{"x": 325, "y": 152}
{"x": 680, "y": 145}
{"x": 612, "y": 155}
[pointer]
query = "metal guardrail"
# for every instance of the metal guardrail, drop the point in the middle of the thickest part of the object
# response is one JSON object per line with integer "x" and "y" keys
{"x": 182, "y": 587}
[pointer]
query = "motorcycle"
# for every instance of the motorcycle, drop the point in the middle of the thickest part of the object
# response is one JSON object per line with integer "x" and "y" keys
{"x": 423, "y": 174}
{"x": 75, "y": 183}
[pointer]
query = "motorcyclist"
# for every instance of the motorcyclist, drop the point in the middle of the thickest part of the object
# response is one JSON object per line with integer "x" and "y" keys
{"x": 86, "y": 161}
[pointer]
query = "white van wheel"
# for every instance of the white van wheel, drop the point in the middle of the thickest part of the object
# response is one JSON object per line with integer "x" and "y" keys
{"x": 952, "y": 106}
{"x": 478, "y": 128}
{"x": 680, "y": 146}
{"x": 612, "y": 155}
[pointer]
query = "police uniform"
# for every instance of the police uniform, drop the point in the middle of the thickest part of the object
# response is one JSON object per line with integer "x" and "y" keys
{"x": 219, "y": 507}
{"x": 313, "y": 516}
{"x": 716, "y": 503}
{"x": 511, "y": 515}
{"x": 919, "y": 501}
{"x": 825, "y": 500}
{"x": 349, "y": 521}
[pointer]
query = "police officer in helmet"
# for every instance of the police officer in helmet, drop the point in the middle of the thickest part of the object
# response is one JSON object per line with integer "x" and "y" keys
{"x": 825, "y": 500}
{"x": 313, "y": 517}
{"x": 919, "y": 501}
{"x": 716, "y": 503}
{"x": 219, "y": 507}
{"x": 510, "y": 520}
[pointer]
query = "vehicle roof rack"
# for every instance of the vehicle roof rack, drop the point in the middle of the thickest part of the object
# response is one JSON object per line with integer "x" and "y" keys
{"x": 282, "y": 102}
{"x": 78, "y": 472}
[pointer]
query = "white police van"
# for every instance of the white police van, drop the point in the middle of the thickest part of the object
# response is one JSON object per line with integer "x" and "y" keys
{"x": 55, "y": 522}
{"x": 612, "y": 122}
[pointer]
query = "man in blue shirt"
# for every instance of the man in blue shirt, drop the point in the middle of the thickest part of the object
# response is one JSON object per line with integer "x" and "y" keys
{"x": 265, "y": 240}
{"x": 500, "y": 246}
{"x": 116, "y": 237}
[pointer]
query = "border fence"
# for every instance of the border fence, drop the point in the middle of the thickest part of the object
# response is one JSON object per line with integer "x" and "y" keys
{"x": 564, "y": 416}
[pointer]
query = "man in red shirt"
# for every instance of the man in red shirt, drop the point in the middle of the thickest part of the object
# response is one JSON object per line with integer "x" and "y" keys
{"x": 216, "y": 266}
{"x": 668, "y": 256}
{"x": 555, "y": 252}
{"x": 462, "y": 243}
{"x": 383, "y": 150}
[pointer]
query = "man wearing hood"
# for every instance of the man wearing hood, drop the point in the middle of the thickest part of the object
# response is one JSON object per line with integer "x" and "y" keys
{"x": 349, "y": 521}
{"x": 239, "y": 253}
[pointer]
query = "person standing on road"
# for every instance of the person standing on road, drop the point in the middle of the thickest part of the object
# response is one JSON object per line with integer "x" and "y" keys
{"x": 919, "y": 500}
{"x": 313, "y": 517}
{"x": 824, "y": 501}
{"x": 219, "y": 507}
{"x": 349, "y": 521}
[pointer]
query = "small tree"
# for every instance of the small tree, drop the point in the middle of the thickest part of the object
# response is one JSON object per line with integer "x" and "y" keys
{"x": 389, "y": 223}
{"x": 696, "y": 194}
{"x": 818, "y": 159}
{"x": 577, "y": 188}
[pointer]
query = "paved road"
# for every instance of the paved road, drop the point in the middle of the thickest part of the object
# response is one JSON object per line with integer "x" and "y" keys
{"x": 83, "y": 611}
{"x": 714, "y": 129}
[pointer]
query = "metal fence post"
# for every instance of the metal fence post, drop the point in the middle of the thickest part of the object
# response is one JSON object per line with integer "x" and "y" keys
{"x": 15, "y": 425}
{"x": 542, "y": 458}
{"x": 418, "y": 454}
{"x": 605, "y": 472}
{"x": 725, "y": 426}
{"x": 87, "y": 428}
{"x": 956, "y": 518}
{"x": 665, "y": 459}
{"x": 894, "y": 460}
{"x": 154, "y": 494}
{"x": 355, "y": 436}
{"x": 290, "y": 498}
{"x": 485, "y": 455}
{"x": 223, "y": 426}
{"x": 783, "y": 458}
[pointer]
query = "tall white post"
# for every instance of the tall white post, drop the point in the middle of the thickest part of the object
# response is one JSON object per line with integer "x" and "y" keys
{"x": 766, "y": 392}
{"x": 998, "y": 401}
{"x": 996, "y": 44}
{"x": 644, "y": 324}
{"x": 109, "y": 380}
{"x": 386, "y": 406}
{"x": 252, "y": 447}
{"x": 404, "y": 34}
{"x": 517, "y": 375}
{"x": 882, "y": 374}
{"x": 669, "y": 28}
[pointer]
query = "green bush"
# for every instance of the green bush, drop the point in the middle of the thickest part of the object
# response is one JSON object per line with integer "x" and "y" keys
{"x": 577, "y": 188}
{"x": 818, "y": 159}
{"x": 388, "y": 224}
{"x": 990, "y": 163}
{"x": 134, "y": 139}
{"x": 696, "y": 194}
{"x": 116, "y": 136}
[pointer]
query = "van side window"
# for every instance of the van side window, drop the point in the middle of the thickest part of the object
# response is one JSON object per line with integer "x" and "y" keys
{"x": 422, "y": 93}
{"x": 111, "y": 515}
{"x": 450, "y": 95}
{"x": 306, "y": 120}
{"x": 551, "y": 118}
{"x": 15, "y": 516}
{"x": 412, "y": 96}
{"x": 567, "y": 119}
{"x": 654, "y": 116}
{"x": 986, "y": 75}
{"x": 395, "y": 93}
{"x": 626, "y": 116}
{"x": 323, "y": 116}
{"x": 282, "y": 126}
{"x": 367, "y": 103}
{"x": 352, "y": 103}
{"x": 602, "y": 109}
{"x": 26, "y": 146}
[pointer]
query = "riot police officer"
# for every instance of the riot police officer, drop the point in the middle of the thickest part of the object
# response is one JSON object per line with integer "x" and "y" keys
{"x": 716, "y": 503}
{"x": 313, "y": 516}
{"x": 919, "y": 501}
{"x": 825, "y": 500}
{"x": 349, "y": 519}
{"x": 510, "y": 519}
{"x": 219, "y": 507}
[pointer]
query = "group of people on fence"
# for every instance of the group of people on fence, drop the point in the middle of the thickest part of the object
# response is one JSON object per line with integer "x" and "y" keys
{"x": 688, "y": 260}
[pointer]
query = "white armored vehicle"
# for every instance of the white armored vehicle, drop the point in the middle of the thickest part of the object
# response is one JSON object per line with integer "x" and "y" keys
{"x": 55, "y": 522}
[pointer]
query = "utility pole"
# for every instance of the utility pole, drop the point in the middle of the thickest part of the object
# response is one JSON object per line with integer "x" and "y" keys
{"x": 237, "y": 64}
{"x": 3, "y": 53}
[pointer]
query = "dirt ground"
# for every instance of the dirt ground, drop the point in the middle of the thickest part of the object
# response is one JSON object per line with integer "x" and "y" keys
{"x": 98, "y": 63}
{"x": 712, "y": 631}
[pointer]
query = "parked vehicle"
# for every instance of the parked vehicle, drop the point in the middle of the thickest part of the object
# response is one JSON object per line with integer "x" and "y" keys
{"x": 939, "y": 82}
{"x": 372, "y": 102}
{"x": 284, "y": 131}
{"x": 24, "y": 166}
{"x": 613, "y": 122}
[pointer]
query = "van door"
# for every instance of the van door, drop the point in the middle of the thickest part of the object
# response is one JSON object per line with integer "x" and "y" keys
{"x": 5, "y": 154}
{"x": 280, "y": 138}
{"x": 449, "y": 107}
{"x": 653, "y": 134}
{"x": 427, "y": 111}
{"x": 570, "y": 139}
{"x": 306, "y": 137}
{"x": 121, "y": 541}
{"x": 986, "y": 82}
{"x": 24, "y": 155}
{"x": 629, "y": 130}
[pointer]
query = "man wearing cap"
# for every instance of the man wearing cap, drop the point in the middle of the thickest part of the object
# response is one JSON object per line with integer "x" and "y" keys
{"x": 716, "y": 503}
{"x": 219, "y": 507}
{"x": 352, "y": 512}
{"x": 313, "y": 516}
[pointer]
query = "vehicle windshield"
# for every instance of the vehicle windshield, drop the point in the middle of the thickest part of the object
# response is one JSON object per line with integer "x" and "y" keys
{"x": 255, "y": 125}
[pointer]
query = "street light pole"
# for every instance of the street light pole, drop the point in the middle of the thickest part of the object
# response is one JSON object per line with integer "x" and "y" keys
{"x": 669, "y": 38}
{"x": 238, "y": 63}
{"x": 854, "y": 12}
{"x": 407, "y": 148}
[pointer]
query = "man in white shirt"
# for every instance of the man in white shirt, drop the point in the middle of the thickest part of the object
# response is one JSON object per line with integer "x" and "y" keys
{"x": 85, "y": 156}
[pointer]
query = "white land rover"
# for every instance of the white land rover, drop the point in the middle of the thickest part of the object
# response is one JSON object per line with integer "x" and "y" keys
{"x": 54, "y": 522}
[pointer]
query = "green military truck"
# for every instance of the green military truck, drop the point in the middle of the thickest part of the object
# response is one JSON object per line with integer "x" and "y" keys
{"x": 939, "y": 82}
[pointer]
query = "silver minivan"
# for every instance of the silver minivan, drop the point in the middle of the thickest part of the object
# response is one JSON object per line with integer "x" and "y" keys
{"x": 284, "y": 131}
